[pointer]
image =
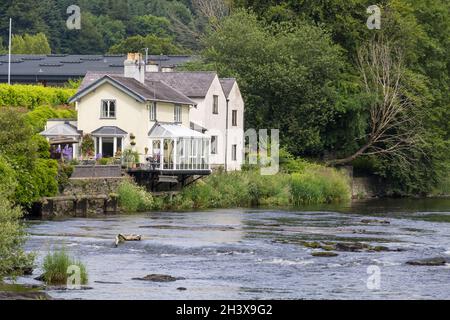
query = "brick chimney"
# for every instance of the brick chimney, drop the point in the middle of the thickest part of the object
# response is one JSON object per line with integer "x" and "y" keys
{"x": 134, "y": 67}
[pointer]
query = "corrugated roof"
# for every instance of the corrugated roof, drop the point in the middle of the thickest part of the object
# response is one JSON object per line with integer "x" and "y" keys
{"x": 191, "y": 84}
{"x": 227, "y": 85}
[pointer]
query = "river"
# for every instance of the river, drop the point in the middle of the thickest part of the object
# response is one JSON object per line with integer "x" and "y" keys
{"x": 258, "y": 253}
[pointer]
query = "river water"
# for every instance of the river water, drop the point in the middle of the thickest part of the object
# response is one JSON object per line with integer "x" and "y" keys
{"x": 257, "y": 253}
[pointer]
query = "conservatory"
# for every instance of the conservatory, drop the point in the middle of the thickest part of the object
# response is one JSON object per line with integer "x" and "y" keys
{"x": 175, "y": 147}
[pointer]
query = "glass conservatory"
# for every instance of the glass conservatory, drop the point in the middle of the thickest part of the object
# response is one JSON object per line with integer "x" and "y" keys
{"x": 175, "y": 147}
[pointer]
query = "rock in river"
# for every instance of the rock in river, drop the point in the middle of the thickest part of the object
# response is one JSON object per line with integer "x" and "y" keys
{"x": 324, "y": 254}
{"x": 158, "y": 278}
{"x": 439, "y": 261}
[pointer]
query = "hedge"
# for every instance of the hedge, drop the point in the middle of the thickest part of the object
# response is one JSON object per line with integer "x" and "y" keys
{"x": 32, "y": 96}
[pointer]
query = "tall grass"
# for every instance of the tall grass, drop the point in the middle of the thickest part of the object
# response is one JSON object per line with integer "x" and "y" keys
{"x": 303, "y": 183}
{"x": 57, "y": 264}
{"x": 133, "y": 198}
{"x": 319, "y": 185}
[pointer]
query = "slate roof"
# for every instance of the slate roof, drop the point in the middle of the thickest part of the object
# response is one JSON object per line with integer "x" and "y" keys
{"x": 191, "y": 84}
{"x": 227, "y": 85}
{"x": 150, "y": 91}
{"x": 64, "y": 67}
{"x": 61, "y": 130}
{"x": 109, "y": 131}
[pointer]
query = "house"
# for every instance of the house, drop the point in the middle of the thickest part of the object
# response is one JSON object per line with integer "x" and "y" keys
{"x": 58, "y": 69}
{"x": 177, "y": 120}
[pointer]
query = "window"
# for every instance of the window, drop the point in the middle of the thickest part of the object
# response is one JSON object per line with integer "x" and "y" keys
{"x": 177, "y": 115}
{"x": 214, "y": 144}
{"x": 215, "y": 104}
{"x": 233, "y": 152}
{"x": 234, "y": 118}
{"x": 180, "y": 146}
{"x": 108, "y": 109}
{"x": 152, "y": 109}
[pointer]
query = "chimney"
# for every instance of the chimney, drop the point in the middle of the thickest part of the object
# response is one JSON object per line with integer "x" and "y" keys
{"x": 135, "y": 67}
{"x": 152, "y": 66}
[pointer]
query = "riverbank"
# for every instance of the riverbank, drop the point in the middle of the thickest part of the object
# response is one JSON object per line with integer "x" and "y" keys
{"x": 312, "y": 184}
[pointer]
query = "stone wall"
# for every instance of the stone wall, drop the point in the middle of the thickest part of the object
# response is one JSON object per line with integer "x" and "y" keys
{"x": 84, "y": 198}
{"x": 92, "y": 186}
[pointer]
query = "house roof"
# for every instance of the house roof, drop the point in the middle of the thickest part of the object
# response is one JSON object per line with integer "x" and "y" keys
{"x": 150, "y": 91}
{"x": 109, "y": 131}
{"x": 170, "y": 130}
{"x": 64, "y": 66}
{"x": 61, "y": 130}
{"x": 227, "y": 85}
{"x": 191, "y": 84}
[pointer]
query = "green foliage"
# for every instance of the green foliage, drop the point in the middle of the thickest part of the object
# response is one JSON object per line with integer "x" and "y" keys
{"x": 287, "y": 69}
{"x": 36, "y": 177}
{"x": 64, "y": 173}
{"x": 30, "y": 44}
{"x": 133, "y": 198}
{"x": 319, "y": 185}
{"x": 56, "y": 266}
{"x": 30, "y": 96}
{"x": 148, "y": 24}
{"x": 12, "y": 258}
{"x": 38, "y": 117}
{"x": 87, "y": 146}
{"x": 156, "y": 45}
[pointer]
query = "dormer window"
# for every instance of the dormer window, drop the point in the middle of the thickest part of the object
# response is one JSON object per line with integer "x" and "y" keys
{"x": 108, "y": 109}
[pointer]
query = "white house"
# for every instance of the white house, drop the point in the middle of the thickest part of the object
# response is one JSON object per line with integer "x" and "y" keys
{"x": 178, "y": 118}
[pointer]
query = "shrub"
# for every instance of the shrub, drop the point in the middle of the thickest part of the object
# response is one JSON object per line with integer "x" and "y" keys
{"x": 12, "y": 237}
{"x": 32, "y": 96}
{"x": 56, "y": 265}
{"x": 38, "y": 117}
{"x": 133, "y": 198}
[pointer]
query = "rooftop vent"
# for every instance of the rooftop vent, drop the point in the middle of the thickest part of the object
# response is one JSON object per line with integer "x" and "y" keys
{"x": 57, "y": 55}
{"x": 51, "y": 65}
{"x": 32, "y": 58}
{"x": 72, "y": 62}
{"x": 113, "y": 55}
{"x": 91, "y": 59}
{"x": 12, "y": 61}
{"x": 116, "y": 65}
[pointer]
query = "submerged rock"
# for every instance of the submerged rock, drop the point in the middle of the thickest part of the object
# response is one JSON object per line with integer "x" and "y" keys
{"x": 439, "y": 261}
{"x": 159, "y": 278}
{"x": 181, "y": 289}
{"x": 374, "y": 221}
{"x": 324, "y": 254}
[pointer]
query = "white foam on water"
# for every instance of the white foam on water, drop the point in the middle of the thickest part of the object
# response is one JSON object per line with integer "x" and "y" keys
{"x": 284, "y": 262}
{"x": 447, "y": 252}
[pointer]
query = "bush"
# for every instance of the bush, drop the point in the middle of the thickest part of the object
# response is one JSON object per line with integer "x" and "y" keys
{"x": 32, "y": 96}
{"x": 56, "y": 266}
{"x": 133, "y": 198}
{"x": 38, "y": 117}
{"x": 12, "y": 237}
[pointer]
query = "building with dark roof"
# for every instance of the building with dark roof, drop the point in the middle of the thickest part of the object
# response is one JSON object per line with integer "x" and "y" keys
{"x": 57, "y": 69}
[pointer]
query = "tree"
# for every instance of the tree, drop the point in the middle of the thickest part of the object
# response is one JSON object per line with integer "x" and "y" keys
{"x": 148, "y": 24}
{"x": 288, "y": 75}
{"x": 30, "y": 44}
{"x": 394, "y": 124}
{"x": 156, "y": 45}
